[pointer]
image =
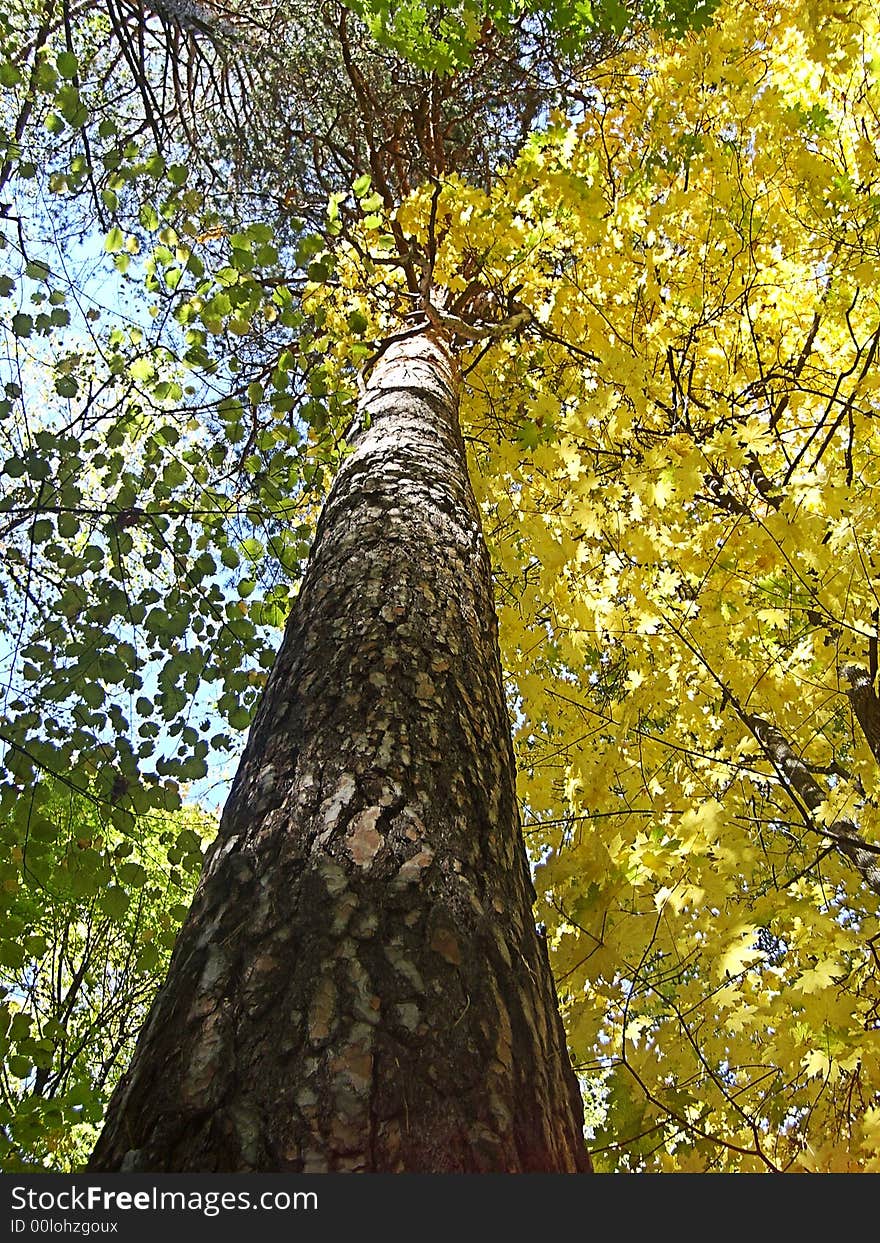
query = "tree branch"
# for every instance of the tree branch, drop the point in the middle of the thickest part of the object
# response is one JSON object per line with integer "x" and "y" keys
{"x": 865, "y": 704}
{"x": 794, "y": 773}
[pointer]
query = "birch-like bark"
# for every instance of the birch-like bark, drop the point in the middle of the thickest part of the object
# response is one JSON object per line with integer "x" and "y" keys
{"x": 844, "y": 833}
{"x": 359, "y": 985}
{"x": 865, "y": 705}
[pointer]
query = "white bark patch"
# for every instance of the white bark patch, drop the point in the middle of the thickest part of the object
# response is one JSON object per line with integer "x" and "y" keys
{"x": 219, "y": 853}
{"x": 321, "y": 840}
{"x": 363, "y": 841}
{"x": 340, "y": 798}
{"x": 266, "y": 779}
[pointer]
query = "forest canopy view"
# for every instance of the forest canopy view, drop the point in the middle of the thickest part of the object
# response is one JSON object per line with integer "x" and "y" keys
{"x": 259, "y": 263}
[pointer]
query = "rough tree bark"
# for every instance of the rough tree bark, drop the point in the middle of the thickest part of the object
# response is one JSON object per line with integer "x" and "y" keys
{"x": 359, "y": 985}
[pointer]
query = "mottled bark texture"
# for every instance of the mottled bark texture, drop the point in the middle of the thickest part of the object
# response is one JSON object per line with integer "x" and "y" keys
{"x": 359, "y": 985}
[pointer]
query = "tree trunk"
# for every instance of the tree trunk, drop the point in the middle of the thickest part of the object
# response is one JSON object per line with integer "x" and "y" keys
{"x": 359, "y": 985}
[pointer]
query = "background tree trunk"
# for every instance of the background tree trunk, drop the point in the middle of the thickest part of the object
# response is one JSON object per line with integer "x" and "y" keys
{"x": 359, "y": 985}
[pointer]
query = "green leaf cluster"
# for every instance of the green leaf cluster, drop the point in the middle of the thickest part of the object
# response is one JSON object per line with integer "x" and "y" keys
{"x": 89, "y": 918}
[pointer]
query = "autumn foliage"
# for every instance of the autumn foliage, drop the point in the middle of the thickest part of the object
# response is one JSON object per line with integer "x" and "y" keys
{"x": 678, "y": 465}
{"x": 667, "y": 315}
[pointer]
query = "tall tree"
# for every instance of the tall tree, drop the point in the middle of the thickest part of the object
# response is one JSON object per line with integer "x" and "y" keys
{"x": 370, "y": 880}
{"x": 360, "y": 985}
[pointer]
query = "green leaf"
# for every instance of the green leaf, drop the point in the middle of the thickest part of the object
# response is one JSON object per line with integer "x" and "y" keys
{"x": 37, "y": 270}
{"x": 529, "y": 435}
{"x": 92, "y": 694}
{"x": 147, "y": 959}
{"x": 148, "y": 216}
{"x": 66, "y": 386}
{"x": 132, "y": 874}
{"x": 239, "y": 718}
{"x": 9, "y": 74}
{"x": 67, "y": 64}
{"x": 114, "y": 902}
{"x": 155, "y": 166}
{"x": 252, "y": 548}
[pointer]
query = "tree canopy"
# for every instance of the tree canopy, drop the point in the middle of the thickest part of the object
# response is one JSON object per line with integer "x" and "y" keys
{"x": 659, "y": 262}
